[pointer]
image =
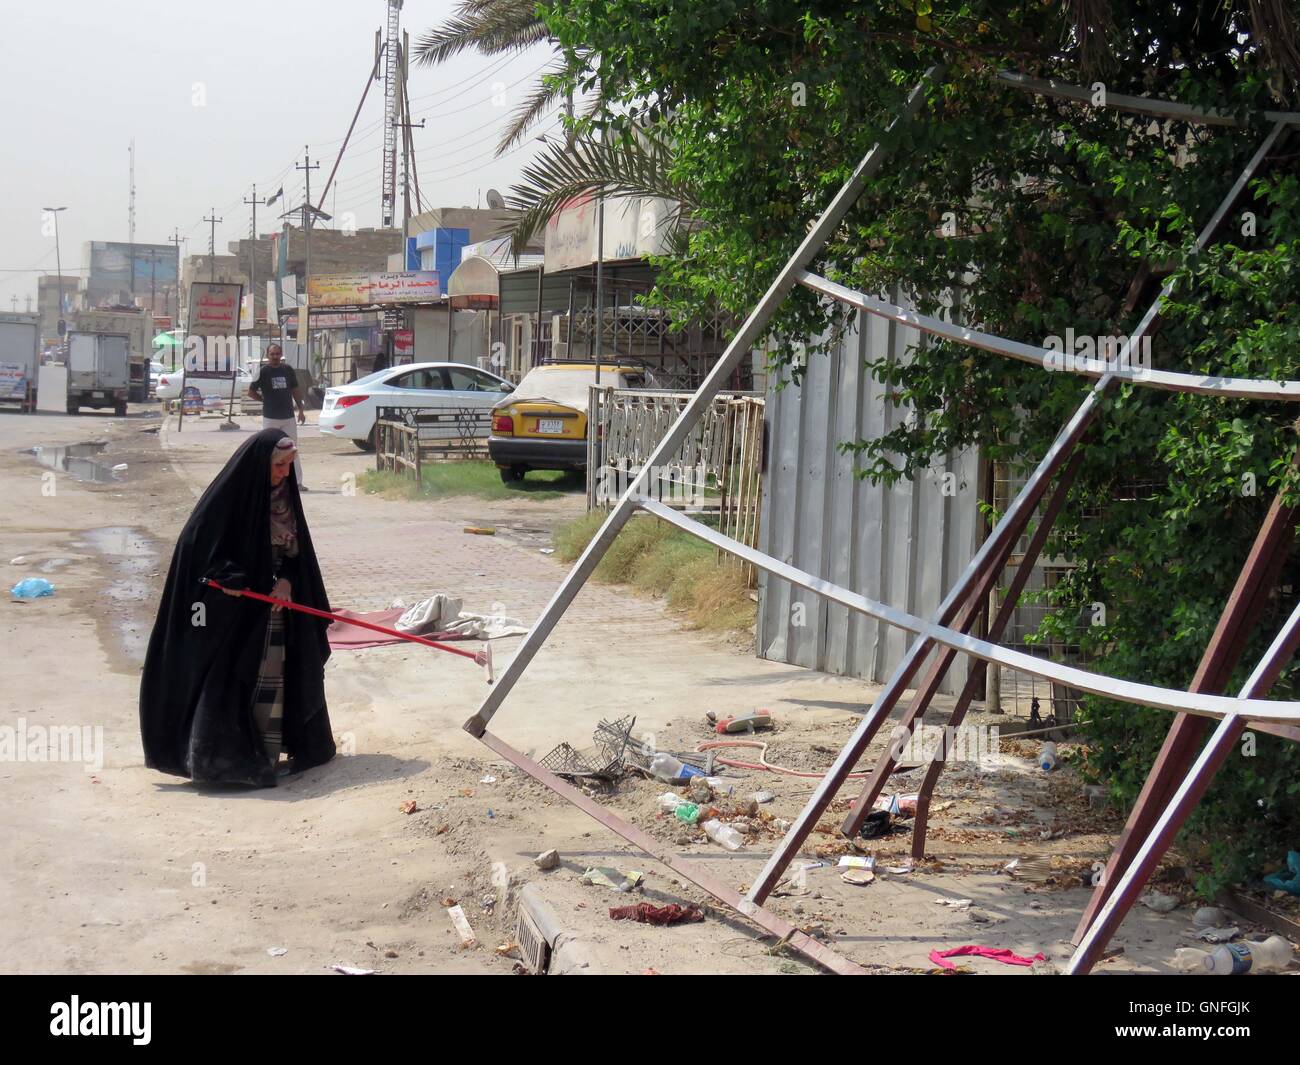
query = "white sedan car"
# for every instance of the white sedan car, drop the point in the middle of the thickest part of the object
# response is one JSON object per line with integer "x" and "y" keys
{"x": 349, "y": 410}
{"x": 169, "y": 385}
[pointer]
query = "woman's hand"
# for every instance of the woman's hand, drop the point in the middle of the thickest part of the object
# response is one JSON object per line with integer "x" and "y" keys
{"x": 282, "y": 590}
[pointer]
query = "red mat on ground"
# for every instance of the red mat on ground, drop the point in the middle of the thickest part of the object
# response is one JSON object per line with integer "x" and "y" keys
{"x": 345, "y": 637}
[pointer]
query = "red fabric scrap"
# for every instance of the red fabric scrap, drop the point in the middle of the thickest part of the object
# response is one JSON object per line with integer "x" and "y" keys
{"x": 645, "y": 913}
{"x": 996, "y": 953}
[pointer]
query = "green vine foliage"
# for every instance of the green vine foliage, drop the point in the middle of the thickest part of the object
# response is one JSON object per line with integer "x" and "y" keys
{"x": 1034, "y": 215}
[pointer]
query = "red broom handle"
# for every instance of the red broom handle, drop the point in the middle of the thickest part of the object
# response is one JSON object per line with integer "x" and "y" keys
{"x": 346, "y": 621}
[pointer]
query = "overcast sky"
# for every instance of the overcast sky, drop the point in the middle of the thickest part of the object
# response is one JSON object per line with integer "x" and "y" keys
{"x": 218, "y": 96}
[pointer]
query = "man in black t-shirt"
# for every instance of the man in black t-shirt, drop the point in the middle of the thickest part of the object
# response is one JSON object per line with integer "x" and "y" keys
{"x": 277, "y": 389}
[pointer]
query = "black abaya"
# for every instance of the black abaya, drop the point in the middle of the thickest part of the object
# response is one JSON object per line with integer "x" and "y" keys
{"x": 200, "y": 673}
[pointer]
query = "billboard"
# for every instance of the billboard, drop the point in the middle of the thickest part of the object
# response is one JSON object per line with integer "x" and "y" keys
{"x": 367, "y": 289}
{"x": 634, "y": 228}
{"x": 113, "y": 267}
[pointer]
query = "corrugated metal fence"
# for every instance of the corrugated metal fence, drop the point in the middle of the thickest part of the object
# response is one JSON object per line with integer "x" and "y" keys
{"x": 903, "y": 544}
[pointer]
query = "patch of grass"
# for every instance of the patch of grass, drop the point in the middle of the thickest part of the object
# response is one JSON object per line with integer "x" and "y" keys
{"x": 474, "y": 478}
{"x": 657, "y": 559}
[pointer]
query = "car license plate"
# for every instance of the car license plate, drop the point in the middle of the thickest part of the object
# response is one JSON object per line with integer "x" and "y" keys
{"x": 97, "y": 395}
{"x": 550, "y": 425}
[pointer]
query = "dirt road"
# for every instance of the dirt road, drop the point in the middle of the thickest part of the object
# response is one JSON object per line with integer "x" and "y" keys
{"x": 110, "y": 867}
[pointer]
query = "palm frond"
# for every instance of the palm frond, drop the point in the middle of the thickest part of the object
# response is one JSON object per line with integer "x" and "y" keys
{"x": 490, "y": 27}
{"x": 1273, "y": 24}
{"x": 628, "y": 167}
{"x": 527, "y": 114}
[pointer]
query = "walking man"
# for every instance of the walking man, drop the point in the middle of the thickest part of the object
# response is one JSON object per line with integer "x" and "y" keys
{"x": 277, "y": 389}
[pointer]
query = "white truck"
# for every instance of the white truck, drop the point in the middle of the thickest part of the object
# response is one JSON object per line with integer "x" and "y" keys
{"x": 99, "y": 371}
{"x": 20, "y": 345}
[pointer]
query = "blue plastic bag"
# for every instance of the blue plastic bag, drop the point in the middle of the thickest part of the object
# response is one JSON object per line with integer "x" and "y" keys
{"x": 32, "y": 588}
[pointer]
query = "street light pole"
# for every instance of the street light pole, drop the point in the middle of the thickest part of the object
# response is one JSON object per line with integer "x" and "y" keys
{"x": 58, "y": 259}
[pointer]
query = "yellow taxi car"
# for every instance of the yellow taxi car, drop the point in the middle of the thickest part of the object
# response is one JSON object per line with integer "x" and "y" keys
{"x": 542, "y": 424}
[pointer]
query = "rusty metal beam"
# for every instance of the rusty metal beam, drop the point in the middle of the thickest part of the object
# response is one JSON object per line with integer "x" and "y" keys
{"x": 965, "y": 620}
{"x": 1184, "y": 799}
{"x": 724, "y": 893}
{"x": 1258, "y": 576}
{"x": 975, "y": 681}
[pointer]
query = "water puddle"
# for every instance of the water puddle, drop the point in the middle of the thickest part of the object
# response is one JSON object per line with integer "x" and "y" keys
{"x": 78, "y": 460}
{"x": 135, "y": 564}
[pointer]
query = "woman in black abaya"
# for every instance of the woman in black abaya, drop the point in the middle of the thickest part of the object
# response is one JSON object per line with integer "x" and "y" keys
{"x": 230, "y": 682}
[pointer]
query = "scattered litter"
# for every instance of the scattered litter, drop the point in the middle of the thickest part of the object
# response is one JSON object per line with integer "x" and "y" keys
{"x": 603, "y": 761}
{"x": 763, "y": 796}
{"x": 463, "y": 928}
{"x": 409, "y": 807}
{"x": 1037, "y": 869}
{"x": 1047, "y": 757}
{"x": 856, "y": 861}
{"x": 1095, "y": 794}
{"x": 858, "y": 877}
{"x": 18, "y": 561}
{"x": 547, "y": 860}
{"x": 120, "y": 468}
{"x": 956, "y": 904}
{"x": 688, "y": 812}
{"x": 1219, "y": 935}
{"x": 505, "y": 949}
{"x": 547, "y": 550}
{"x": 750, "y": 721}
{"x": 489, "y": 779}
{"x": 352, "y": 970}
{"x": 32, "y": 588}
{"x": 1209, "y": 917}
{"x": 900, "y": 870}
{"x": 645, "y": 913}
{"x": 877, "y": 824}
{"x": 1159, "y": 902}
{"x": 277, "y": 952}
{"x": 788, "y": 887}
{"x": 723, "y": 835}
{"x": 939, "y": 957}
{"x": 1279, "y": 882}
{"x": 481, "y": 530}
{"x": 948, "y": 805}
{"x": 608, "y": 877}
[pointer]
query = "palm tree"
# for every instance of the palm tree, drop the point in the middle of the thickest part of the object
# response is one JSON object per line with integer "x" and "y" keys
{"x": 638, "y": 164}
{"x": 491, "y": 28}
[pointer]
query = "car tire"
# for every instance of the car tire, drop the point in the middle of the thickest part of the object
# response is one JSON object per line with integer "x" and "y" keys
{"x": 119, "y": 409}
{"x": 368, "y": 444}
{"x": 73, "y": 408}
{"x": 512, "y": 474}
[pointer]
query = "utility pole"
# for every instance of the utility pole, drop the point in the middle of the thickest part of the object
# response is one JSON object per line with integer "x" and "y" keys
{"x": 307, "y": 166}
{"x": 130, "y": 216}
{"x": 212, "y": 245}
{"x": 176, "y": 239}
{"x": 252, "y": 263}
{"x": 408, "y": 162}
{"x": 58, "y": 260}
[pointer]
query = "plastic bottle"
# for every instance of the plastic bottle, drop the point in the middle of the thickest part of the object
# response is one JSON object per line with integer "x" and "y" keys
{"x": 1047, "y": 757}
{"x": 664, "y": 766}
{"x": 723, "y": 835}
{"x": 1234, "y": 959}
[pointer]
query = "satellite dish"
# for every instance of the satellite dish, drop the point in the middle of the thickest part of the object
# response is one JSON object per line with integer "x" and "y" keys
{"x": 495, "y": 200}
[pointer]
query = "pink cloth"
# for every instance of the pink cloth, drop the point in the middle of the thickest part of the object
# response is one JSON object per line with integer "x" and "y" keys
{"x": 345, "y": 637}
{"x": 996, "y": 953}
